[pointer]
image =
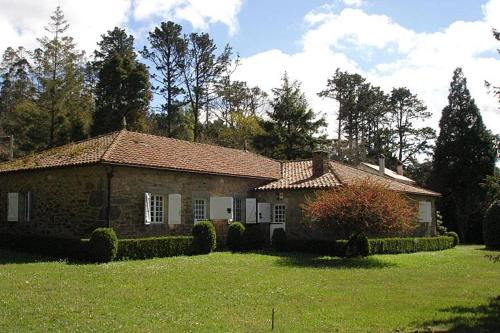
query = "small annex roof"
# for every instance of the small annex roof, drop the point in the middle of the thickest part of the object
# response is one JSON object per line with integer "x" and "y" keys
{"x": 151, "y": 151}
{"x": 299, "y": 175}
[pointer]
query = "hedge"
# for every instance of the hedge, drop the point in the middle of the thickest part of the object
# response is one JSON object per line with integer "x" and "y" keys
{"x": 103, "y": 245}
{"x": 204, "y": 237}
{"x": 154, "y": 247}
{"x": 377, "y": 245}
{"x": 57, "y": 247}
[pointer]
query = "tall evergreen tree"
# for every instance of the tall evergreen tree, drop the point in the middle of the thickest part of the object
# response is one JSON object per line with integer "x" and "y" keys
{"x": 406, "y": 109}
{"x": 59, "y": 68}
{"x": 463, "y": 157}
{"x": 167, "y": 52}
{"x": 293, "y": 130}
{"x": 122, "y": 88}
{"x": 202, "y": 69}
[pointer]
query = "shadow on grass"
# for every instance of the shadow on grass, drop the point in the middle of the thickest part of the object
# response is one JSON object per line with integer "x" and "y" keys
{"x": 8, "y": 257}
{"x": 294, "y": 259}
{"x": 481, "y": 319}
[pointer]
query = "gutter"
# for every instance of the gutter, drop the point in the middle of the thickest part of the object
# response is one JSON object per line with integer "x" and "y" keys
{"x": 109, "y": 177}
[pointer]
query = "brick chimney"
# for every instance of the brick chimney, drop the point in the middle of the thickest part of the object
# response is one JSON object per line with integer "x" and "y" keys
{"x": 399, "y": 168}
{"x": 381, "y": 165}
{"x": 320, "y": 162}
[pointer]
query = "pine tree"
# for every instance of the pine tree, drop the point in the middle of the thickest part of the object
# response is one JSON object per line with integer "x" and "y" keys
{"x": 293, "y": 128}
{"x": 59, "y": 70}
{"x": 122, "y": 88}
{"x": 167, "y": 52}
{"x": 463, "y": 157}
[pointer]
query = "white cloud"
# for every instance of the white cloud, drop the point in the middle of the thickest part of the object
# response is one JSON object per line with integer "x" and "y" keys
{"x": 200, "y": 13}
{"x": 353, "y": 3}
{"x": 22, "y": 21}
{"x": 423, "y": 62}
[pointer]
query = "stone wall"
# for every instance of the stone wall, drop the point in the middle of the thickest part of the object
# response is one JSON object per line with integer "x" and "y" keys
{"x": 295, "y": 227}
{"x": 127, "y": 198}
{"x": 67, "y": 202}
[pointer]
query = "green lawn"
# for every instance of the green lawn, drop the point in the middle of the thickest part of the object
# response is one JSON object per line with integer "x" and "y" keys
{"x": 457, "y": 289}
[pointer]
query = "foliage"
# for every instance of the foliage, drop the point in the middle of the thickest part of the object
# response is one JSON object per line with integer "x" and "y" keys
{"x": 292, "y": 127}
{"x": 279, "y": 241}
{"x": 406, "y": 109}
{"x": 456, "y": 239}
{"x": 314, "y": 246}
{"x": 103, "y": 245}
{"x": 204, "y": 238}
{"x": 463, "y": 157}
{"x": 253, "y": 237}
{"x": 365, "y": 207}
{"x": 491, "y": 185}
{"x": 167, "y": 53}
{"x": 57, "y": 247}
{"x": 358, "y": 245}
{"x": 154, "y": 247}
{"x": 235, "y": 234}
{"x": 440, "y": 228}
{"x": 123, "y": 88}
{"x": 491, "y": 226}
{"x": 202, "y": 69}
{"x": 410, "y": 245}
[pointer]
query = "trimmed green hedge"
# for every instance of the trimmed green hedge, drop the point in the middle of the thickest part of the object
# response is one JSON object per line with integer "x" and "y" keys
{"x": 103, "y": 245}
{"x": 154, "y": 247}
{"x": 56, "y": 247}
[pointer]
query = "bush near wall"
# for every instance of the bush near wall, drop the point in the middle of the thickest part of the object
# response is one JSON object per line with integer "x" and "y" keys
{"x": 57, "y": 247}
{"x": 154, "y": 247}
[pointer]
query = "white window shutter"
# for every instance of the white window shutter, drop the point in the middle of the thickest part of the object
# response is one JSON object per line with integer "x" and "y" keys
{"x": 264, "y": 212}
{"x": 13, "y": 209}
{"x": 147, "y": 208}
{"x": 425, "y": 211}
{"x": 27, "y": 207}
{"x": 250, "y": 210}
{"x": 221, "y": 208}
{"x": 174, "y": 208}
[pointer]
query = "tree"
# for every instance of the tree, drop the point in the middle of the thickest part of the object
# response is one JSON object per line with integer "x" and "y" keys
{"x": 202, "y": 69}
{"x": 362, "y": 207}
{"x": 406, "y": 109}
{"x": 167, "y": 52}
{"x": 293, "y": 127}
{"x": 59, "y": 70}
{"x": 123, "y": 89}
{"x": 463, "y": 157}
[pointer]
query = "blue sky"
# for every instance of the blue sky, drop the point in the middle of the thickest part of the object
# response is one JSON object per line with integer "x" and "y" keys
{"x": 393, "y": 43}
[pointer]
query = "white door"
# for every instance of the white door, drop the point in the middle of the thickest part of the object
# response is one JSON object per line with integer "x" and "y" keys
{"x": 250, "y": 210}
{"x": 264, "y": 212}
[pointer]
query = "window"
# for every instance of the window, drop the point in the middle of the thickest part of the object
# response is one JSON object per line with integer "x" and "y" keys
{"x": 279, "y": 213}
{"x": 157, "y": 208}
{"x": 13, "y": 207}
{"x": 425, "y": 211}
{"x": 199, "y": 210}
{"x": 237, "y": 209}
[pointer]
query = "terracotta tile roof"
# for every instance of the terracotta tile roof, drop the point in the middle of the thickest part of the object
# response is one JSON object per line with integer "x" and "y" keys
{"x": 144, "y": 150}
{"x": 298, "y": 175}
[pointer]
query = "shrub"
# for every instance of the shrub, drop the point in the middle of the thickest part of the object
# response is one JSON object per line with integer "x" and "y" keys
{"x": 456, "y": 239}
{"x": 410, "y": 245}
{"x": 253, "y": 237}
{"x": 357, "y": 245}
{"x": 365, "y": 207}
{"x": 278, "y": 240}
{"x": 56, "y": 247}
{"x": 103, "y": 245}
{"x": 235, "y": 234}
{"x": 491, "y": 226}
{"x": 154, "y": 247}
{"x": 204, "y": 237}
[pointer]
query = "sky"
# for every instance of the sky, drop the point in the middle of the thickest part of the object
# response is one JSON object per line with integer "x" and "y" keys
{"x": 393, "y": 43}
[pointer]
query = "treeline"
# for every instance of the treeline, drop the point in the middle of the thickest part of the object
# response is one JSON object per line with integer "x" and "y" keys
{"x": 56, "y": 94}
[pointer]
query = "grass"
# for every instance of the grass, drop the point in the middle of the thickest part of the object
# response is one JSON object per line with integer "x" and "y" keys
{"x": 455, "y": 290}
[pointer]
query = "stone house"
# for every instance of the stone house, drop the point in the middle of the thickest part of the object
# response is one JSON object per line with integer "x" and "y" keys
{"x": 146, "y": 185}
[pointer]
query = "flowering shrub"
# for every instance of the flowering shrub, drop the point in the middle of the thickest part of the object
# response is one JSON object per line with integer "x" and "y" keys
{"x": 363, "y": 207}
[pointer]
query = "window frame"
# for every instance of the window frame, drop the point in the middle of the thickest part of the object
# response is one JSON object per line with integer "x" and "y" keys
{"x": 280, "y": 214}
{"x": 196, "y": 206}
{"x": 157, "y": 210}
{"x": 238, "y": 209}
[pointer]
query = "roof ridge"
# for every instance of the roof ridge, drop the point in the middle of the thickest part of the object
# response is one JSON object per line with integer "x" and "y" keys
{"x": 111, "y": 145}
{"x": 205, "y": 144}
